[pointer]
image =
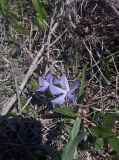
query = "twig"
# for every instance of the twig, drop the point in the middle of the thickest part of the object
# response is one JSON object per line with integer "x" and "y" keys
{"x": 82, "y": 8}
{"x": 59, "y": 37}
{"x": 95, "y": 62}
{"x": 85, "y": 119}
{"x": 50, "y": 33}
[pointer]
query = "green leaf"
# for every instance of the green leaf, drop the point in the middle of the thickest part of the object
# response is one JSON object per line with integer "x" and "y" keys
{"x": 76, "y": 128}
{"x": 62, "y": 1}
{"x": 4, "y": 5}
{"x": 65, "y": 111}
{"x": 41, "y": 23}
{"x": 101, "y": 132}
{"x": 39, "y": 9}
{"x": 81, "y": 98}
{"x": 70, "y": 147}
{"x": 99, "y": 144}
{"x": 12, "y": 114}
{"x": 20, "y": 28}
{"x": 82, "y": 86}
{"x": 69, "y": 121}
{"x": 107, "y": 135}
{"x": 109, "y": 120}
{"x": 40, "y": 14}
{"x": 34, "y": 84}
{"x": 114, "y": 141}
{"x": 23, "y": 103}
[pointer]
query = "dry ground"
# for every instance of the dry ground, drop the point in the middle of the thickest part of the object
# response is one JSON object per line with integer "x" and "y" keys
{"x": 86, "y": 33}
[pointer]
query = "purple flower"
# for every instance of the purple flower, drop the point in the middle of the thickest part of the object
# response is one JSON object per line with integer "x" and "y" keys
{"x": 45, "y": 82}
{"x": 65, "y": 91}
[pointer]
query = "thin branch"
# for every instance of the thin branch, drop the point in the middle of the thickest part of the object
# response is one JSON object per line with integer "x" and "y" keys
{"x": 95, "y": 62}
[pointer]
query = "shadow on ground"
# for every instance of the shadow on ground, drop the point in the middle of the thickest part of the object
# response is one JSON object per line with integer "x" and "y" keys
{"x": 20, "y": 138}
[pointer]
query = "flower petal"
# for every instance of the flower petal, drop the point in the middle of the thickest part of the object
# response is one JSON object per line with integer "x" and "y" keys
{"x": 64, "y": 82}
{"x": 42, "y": 89}
{"x": 49, "y": 77}
{"x": 71, "y": 96}
{"x": 56, "y": 90}
{"x": 74, "y": 86}
{"x": 42, "y": 82}
{"x": 59, "y": 100}
{"x": 56, "y": 81}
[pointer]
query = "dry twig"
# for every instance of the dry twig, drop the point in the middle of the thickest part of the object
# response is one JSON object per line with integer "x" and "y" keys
{"x": 95, "y": 62}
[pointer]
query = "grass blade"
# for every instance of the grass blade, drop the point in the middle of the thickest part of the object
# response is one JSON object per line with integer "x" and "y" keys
{"x": 71, "y": 147}
{"x": 17, "y": 90}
